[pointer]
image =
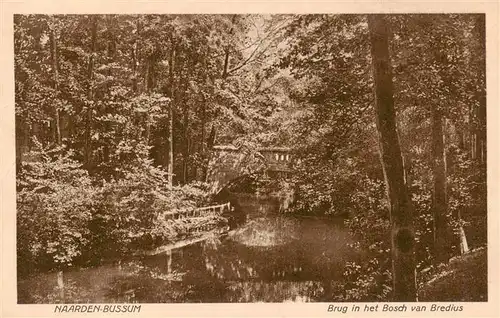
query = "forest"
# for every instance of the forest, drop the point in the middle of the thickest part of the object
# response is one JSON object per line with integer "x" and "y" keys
{"x": 385, "y": 117}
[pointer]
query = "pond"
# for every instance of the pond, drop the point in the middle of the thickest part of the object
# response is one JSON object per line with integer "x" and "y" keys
{"x": 268, "y": 259}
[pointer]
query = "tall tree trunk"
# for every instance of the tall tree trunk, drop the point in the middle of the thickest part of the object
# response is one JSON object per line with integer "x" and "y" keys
{"x": 55, "y": 79}
{"x": 439, "y": 201}
{"x": 401, "y": 212}
{"x": 135, "y": 57}
{"x": 461, "y": 237}
{"x": 185, "y": 155}
{"x": 203, "y": 150}
{"x": 151, "y": 84}
{"x": 170, "y": 165}
{"x": 90, "y": 94}
{"x": 150, "y": 78}
{"x": 203, "y": 133}
{"x": 111, "y": 57}
{"x": 226, "y": 62}
{"x": 480, "y": 26}
{"x": 227, "y": 48}
{"x": 477, "y": 113}
{"x": 20, "y": 137}
{"x": 461, "y": 240}
{"x": 185, "y": 123}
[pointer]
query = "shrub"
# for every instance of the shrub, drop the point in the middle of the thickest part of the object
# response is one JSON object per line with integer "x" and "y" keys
{"x": 66, "y": 218}
{"x": 55, "y": 200}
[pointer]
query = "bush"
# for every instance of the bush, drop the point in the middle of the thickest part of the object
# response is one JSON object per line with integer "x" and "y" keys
{"x": 65, "y": 218}
{"x": 55, "y": 202}
{"x": 369, "y": 280}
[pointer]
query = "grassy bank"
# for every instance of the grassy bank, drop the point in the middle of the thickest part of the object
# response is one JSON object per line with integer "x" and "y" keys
{"x": 464, "y": 278}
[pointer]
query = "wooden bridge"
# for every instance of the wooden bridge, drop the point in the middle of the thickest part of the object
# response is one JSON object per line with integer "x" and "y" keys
{"x": 229, "y": 162}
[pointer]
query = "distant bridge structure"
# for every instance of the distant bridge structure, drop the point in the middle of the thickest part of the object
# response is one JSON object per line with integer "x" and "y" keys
{"x": 228, "y": 162}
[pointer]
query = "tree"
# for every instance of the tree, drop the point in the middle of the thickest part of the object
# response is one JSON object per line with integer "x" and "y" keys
{"x": 170, "y": 167}
{"x": 439, "y": 206}
{"x": 400, "y": 206}
{"x": 55, "y": 72}
{"x": 480, "y": 140}
{"x": 90, "y": 92}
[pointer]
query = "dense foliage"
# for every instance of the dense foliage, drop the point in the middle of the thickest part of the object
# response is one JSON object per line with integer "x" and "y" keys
{"x": 438, "y": 63}
{"x": 110, "y": 109}
{"x": 116, "y": 116}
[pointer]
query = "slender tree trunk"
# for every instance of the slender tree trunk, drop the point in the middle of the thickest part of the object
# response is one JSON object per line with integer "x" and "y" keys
{"x": 135, "y": 58}
{"x": 226, "y": 62}
{"x": 480, "y": 27}
{"x": 135, "y": 64}
{"x": 212, "y": 137}
{"x": 186, "y": 142}
{"x": 461, "y": 141}
{"x": 20, "y": 137}
{"x": 150, "y": 78}
{"x": 185, "y": 125}
{"x": 203, "y": 150}
{"x": 111, "y": 57}
{"x": 169, "y": 261}
{"x": 60, "y": 285}
{"x": 90, "y": 94}
{"x": 469, "y": 131}
{"x": 227, "y": 48}
{"x": 461, "y": 240}
{"x": 151, "y": 83}
{"x": 401, "y": 212}
{"x": 439, "y": 200}
{"x": 203, "y": 128}
{"x": 55, "y": 79}
{"x": 170, "y": 165}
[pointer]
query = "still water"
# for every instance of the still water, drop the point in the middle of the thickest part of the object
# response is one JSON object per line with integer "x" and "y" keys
{"x": 267, "y": 259}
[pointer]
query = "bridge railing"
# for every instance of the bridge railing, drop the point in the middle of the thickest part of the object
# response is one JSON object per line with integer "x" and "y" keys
{"x": 198, "y": 212}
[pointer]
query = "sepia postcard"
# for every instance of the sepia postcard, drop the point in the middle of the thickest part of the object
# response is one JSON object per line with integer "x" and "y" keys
{"x": 245, "y": 158}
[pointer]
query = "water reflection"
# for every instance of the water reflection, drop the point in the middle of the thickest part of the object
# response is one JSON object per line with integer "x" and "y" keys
{"x": 270, "y": 259}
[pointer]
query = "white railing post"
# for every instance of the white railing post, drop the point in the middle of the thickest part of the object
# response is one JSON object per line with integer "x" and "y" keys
{"x": 60, "y": 285}
{"x": 169, "y": 261}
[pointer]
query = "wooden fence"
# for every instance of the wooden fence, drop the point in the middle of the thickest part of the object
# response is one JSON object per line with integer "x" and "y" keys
{"x": 199, "y": 212}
